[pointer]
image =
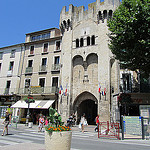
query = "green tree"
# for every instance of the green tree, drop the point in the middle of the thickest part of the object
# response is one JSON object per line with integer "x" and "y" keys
{"x": 130, "y": 34}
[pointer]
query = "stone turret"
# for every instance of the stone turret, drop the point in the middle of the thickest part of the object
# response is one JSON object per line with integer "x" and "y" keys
{"x": 97, "y": 11}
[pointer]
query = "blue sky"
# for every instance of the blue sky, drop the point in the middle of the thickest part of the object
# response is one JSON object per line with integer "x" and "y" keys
{"x": 18, "y": 17}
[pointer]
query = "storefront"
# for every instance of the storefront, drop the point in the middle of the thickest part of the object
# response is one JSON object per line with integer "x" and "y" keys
{"x": 38, "y": 107}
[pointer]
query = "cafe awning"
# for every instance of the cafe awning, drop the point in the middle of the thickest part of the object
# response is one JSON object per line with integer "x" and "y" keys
{"x": 39, "y": 104}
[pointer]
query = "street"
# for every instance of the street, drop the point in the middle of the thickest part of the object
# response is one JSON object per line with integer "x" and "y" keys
{"x": 29, "y": 138}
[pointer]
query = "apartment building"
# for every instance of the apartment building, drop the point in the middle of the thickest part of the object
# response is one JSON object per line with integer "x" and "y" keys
{"x": 10, "y": 72}
{"x": 40, "y": 72}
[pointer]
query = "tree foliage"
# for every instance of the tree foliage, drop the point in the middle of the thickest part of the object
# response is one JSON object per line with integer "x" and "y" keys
{"x": 130, "y": 34}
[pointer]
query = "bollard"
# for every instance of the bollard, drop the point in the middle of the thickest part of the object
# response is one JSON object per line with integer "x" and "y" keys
{"x": 30, "y": 124}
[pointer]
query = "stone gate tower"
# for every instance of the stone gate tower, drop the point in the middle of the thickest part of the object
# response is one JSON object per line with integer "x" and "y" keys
{"x": 87, "y": 62}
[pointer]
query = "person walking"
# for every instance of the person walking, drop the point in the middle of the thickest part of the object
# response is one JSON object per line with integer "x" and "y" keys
{"x": 97, "y": 122}
{"x": 41, "y": 122}
{"x": 6, "y": 122}
{"x": 46, "y": 121}
{"x": 83, "y": 121}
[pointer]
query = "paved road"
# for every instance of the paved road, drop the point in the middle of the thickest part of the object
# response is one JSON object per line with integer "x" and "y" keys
{"x": 24, "y": 138}
{"x": 27, "y": 138}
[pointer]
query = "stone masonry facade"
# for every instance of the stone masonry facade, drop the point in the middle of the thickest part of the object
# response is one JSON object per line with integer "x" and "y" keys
{"x": 87, "y": 61}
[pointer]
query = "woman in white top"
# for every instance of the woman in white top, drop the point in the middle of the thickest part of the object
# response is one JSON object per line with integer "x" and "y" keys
{"x": 82, "y": 122}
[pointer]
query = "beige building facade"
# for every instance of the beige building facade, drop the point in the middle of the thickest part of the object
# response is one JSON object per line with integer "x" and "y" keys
{"x": 10, "y": 72}
{"x": 41, "y": 70}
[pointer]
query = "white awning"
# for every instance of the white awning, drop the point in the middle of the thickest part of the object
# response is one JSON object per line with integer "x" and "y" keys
{"x": 39, "y": 104}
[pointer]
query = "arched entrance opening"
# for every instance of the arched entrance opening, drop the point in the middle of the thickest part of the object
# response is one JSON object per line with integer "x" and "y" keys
{"x": 86, "y": 103}
{"x": 89, "y": 108}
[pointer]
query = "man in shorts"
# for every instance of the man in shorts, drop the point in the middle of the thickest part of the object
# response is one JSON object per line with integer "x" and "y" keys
{"x": 6, "y": 122}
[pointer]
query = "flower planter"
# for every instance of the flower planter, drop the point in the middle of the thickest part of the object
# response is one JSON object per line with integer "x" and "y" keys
{"x": 58, "y": 140}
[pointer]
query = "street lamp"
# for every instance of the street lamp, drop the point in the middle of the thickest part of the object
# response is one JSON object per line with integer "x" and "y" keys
{"x": 29, "y": 99}
{"x": 28, "y": 115}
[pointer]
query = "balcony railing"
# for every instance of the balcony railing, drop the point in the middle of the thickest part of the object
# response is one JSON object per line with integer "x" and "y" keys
{"x": 8, "y": 91}
{"x": 43, "y": 68}
{"x": 38, "y": 90}
{"x": 56, "y": 67}
{"x": 9, "y": 73}
{"x": 135, "y": 88}
{"x": 12, "y": 55}
{"x": 29, "y": 70}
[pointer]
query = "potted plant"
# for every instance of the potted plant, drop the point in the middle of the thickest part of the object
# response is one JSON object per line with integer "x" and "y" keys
{"x": 57, "y": 136}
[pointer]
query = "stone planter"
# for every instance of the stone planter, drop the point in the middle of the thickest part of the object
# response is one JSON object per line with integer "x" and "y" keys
{"x": 58, "y": 140}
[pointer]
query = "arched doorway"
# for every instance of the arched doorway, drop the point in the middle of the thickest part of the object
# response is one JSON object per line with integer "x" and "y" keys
{"x": 89, "y": 108}
{"x": 86, "y": 103}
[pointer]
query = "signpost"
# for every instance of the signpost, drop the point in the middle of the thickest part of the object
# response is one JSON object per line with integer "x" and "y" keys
{"x": 132, "y": 125}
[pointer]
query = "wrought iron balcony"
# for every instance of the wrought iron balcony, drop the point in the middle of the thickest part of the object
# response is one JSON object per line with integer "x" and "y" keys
{"x": 12, "y": 55}
{"x": 29, "y": 70}
{"x": 56, "y": 67}
{"x": 43, "y": 68}
{"x": 9, "y": 73}
{"x": 38, "y": 90}
{"x": 8, "y": 91}
{"x": 135, "y": 88}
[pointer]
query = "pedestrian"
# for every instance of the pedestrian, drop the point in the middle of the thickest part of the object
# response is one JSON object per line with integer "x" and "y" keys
{"x": 34, "y": 118}
{"x": 46, "y": 121}
{"x": 83, "y": 122}
{"x": 37, "y": 119}
{"x": 97, "y": 122}
{"x": 6, "y": 122}
{"x": 41, "y": 122}
{"x": 74, "y": 119}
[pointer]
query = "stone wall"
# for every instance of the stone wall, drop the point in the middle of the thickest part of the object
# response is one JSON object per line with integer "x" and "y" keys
{"x": 88, "y": 64}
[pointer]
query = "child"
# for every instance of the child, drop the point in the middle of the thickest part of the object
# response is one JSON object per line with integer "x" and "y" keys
{"x": 41, "y": 122}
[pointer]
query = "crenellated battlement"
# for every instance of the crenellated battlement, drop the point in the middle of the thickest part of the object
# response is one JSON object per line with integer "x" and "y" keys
{"x": 97, "y": 11}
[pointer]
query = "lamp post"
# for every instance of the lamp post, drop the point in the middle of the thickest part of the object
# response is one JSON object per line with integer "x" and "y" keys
{"x": 28, "y": 115}
{"x": 28, "y": 100}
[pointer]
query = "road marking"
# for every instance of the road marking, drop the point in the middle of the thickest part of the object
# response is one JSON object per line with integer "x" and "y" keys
{"x": 9, "y": 138}
{"x": 27, "y": 137}
{"x": 8, "y": 142}
{"x": 33, "y": 134}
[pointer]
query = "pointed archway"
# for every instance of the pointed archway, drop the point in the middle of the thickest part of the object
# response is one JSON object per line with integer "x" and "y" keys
{"x": 86, "y": 103}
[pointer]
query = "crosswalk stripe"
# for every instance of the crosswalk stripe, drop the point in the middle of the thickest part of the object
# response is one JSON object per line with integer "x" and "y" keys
{"x": 26, "y": 137}
{"x": 8, "y": 142}
{"x": 80, "y": 136}
{"x": 31, "y": 130}
{"x": 14, "y": 139}
{"x": 35, "y": 135}
{"x": 80, "y": 133}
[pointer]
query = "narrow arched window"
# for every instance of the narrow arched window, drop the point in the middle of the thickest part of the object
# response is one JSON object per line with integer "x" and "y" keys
{"x": 93, "y": 40}
{"x": 105, "y": 14}
{"x": 64, "y": 22}
{"x": 68, "y": 24}
{"x": 77, "y": 43}
{"x": 88, "y": 41}
{"x": 68, "y": 21}
{"x": 110, "y": 13}
{"x": 81, "y": 42}
{"x": 99, "y": 15}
